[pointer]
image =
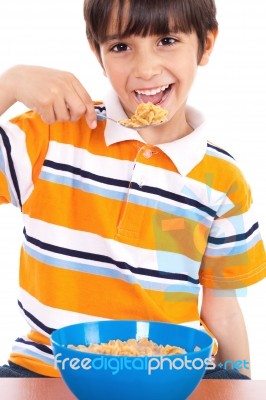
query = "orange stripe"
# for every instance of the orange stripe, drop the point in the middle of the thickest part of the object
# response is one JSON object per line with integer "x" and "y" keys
{"x": 37, "y": 139}
{"x": 34, "y": 364}
{"x": 102, "y": 296}
{"x": 39, "y": 338}
{"x": 54, "y": 208}
{"x": 4, "y": 191}
{"x": 234, "y": 272}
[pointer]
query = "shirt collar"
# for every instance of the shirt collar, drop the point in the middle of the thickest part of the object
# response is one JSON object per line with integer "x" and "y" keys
{"x": 185, "y": 153}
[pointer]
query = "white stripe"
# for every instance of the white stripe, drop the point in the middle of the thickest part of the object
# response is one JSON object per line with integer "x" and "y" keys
{"x": 240, "y": 224}
{"x": 32, "y": 347}
{"x": 95, "y": 164}
{"x": 11, "y": 188}
{"x": 245, "y": 242}
{"x": 234, "y": 225}
{"x": 219, "y": 154}
{"x": 32, "y": 325}
{"x": 78, "y": 240}
{"x": 52, "y": 317}
{"x": 249, "y": 218}
{"x": 82, "y": 179}
{"x": 20, "y": 158}
{"x": 57, "y": 318}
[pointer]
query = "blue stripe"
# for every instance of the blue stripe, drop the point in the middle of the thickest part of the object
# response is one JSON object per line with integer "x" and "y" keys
{"x": 234, "y": 250}
{"x": 174, "y": 262}
{"x": 135, "y": 199}
{"x": 2, "y": 163}
{"x": 86, "y": 187}
{"x": 178, "y": 198}
{"x": 31, "y": 353}
{"x": 234, "y": 238}
{"x": 194, "y": 215}
{"x": 106, "y": 272}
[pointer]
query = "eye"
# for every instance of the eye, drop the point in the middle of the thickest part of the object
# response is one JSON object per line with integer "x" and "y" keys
{"x": 119, "y": 47}
{"x": 168, "y": 41}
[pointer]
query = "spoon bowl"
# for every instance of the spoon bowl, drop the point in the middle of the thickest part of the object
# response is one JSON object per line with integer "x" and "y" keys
{"x": 137, "y": 127}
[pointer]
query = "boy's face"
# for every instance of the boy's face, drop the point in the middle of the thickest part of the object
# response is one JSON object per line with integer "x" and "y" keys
{"x": 160, "y": 69}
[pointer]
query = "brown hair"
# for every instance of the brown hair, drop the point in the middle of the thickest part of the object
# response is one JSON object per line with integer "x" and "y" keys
{"x": 149, "y": 17}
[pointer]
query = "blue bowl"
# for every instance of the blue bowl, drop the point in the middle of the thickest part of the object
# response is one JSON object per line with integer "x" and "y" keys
{"x": 107, "y": 377}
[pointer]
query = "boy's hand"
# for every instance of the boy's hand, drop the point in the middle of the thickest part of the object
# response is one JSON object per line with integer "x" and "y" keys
{"x": 55, "y": 95}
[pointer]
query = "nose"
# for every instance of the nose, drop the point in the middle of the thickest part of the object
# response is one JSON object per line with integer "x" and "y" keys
{"x": 147, "y": 65}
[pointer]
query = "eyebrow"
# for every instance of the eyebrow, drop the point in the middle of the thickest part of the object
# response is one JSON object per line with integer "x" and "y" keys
{"x": 115, "y": 36}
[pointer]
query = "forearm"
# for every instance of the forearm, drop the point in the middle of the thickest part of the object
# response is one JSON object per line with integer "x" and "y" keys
{"x": 233, "y": 346}
{"x": 223, "y": 316}
{"x": 7, "y": 89}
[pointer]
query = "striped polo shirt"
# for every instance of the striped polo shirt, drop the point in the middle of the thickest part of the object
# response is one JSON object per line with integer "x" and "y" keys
{"x": 115, "y": 228}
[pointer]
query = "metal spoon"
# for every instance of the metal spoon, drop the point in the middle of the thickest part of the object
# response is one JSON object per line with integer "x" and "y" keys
{"x": 138, "y": 127}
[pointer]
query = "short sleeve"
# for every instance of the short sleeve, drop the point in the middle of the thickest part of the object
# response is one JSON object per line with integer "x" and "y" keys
{"x": 235, "y": 256}
{"x": 23, "y": 145}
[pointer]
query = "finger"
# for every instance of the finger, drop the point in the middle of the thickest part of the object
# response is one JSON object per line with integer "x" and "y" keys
{"x": 75, "y": 106}
{"x": 87, "y": 101}
{"x": 61, "y": 110}
{"x": 47, "y": 115}
{"x": 91, "y": 117}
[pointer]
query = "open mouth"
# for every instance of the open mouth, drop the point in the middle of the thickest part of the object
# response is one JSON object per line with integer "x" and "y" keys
{"x": 155, "y": 96}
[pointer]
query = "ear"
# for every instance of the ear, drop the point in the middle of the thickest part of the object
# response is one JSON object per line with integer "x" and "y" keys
{"x": 209, "y": 45}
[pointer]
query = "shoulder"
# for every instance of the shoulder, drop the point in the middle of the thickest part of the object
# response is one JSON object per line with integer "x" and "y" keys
{"x": 219, "y": 153}
{"x": 223, "y": 164}
{"x": 222, "y": 176}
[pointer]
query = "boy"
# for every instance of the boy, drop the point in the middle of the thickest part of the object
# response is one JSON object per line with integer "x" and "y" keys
{"x": 125, "y": 224}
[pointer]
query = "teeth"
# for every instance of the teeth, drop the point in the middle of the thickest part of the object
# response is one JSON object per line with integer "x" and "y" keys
{"x": 152, "y": 91}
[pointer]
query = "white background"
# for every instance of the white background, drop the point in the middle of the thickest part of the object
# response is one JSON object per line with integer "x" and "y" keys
{"x": 230, "y": 90}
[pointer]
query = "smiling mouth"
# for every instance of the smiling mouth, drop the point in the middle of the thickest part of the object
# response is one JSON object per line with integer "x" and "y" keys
{"x": 155, "y": 96}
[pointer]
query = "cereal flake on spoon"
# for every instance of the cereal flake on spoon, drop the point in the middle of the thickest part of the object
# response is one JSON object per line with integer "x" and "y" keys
{"x": 146, "y": 114}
